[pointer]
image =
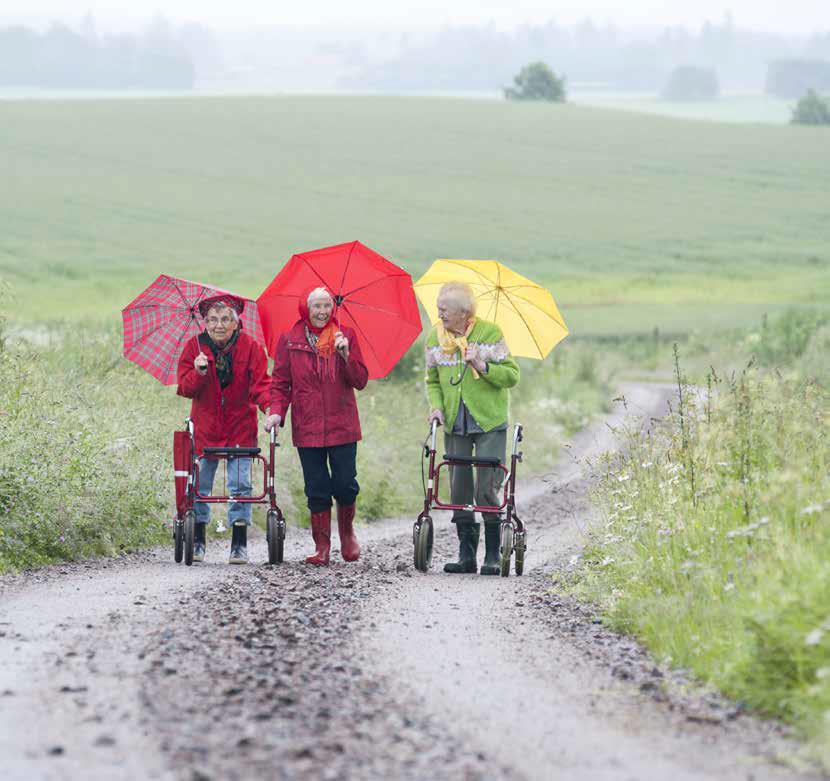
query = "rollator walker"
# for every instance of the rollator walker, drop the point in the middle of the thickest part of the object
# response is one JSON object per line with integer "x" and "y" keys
{"x": 186, "y": 471}
{"x": 513, "y": 536}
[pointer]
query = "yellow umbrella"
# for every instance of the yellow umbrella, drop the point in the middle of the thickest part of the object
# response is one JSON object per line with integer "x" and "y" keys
{"x": 525, "y": 311}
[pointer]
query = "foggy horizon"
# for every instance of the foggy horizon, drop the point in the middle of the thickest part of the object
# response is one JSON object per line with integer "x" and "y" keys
{"x": 799, "y": 17}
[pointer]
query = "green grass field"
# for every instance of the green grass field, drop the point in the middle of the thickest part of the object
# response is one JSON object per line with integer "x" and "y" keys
{"x": 741, "y": 108}
{"x": 634, "y": 221}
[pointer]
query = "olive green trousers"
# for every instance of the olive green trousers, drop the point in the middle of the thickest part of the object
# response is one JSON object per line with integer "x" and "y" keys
{"x": 485, "y": 489}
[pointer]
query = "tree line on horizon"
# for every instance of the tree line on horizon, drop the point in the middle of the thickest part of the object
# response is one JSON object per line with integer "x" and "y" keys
{"x": 62, "y": 58}
{"x": 592, "y": 56}
{"x": 676, "y": 62}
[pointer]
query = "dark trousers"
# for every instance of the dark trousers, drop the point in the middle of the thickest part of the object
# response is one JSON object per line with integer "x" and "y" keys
{"x": 329, "y": 472}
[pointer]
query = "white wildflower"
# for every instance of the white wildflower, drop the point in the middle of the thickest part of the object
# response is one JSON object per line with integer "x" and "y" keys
{"x": 647, "y": 464}
{"x": 729, "y": 587}
{"x": 814, "y": 638}
{"x": 812, "y": 509}
{"x": 623, "y": 478}
{"x": 606, "y": 561}
{"x": 822, "y": 673}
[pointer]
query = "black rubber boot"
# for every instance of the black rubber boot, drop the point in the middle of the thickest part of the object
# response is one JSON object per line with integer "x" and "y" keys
{"x": 492, "y": 546}
{"x": 467, "y": 547}
{"x": 239, "y": 544}
{"x": 199, "y": 542}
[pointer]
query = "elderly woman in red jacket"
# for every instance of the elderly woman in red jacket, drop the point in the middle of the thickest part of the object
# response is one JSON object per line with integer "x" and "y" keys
{"x": 317, "y": 368}
{"x": 225, "y": 372}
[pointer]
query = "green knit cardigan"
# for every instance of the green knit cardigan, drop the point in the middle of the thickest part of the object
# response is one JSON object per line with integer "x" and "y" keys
{"x": 487, "y": 397}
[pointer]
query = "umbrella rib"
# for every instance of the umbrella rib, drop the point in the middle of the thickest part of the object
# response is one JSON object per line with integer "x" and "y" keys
{"x": 151, "y": 306}
{"x": 536, "y": 306}
{"x": 314, "y": 271}
{"x": 362, "y": 334}
{"x": 348, "y": 261}
{"x": 498, "y": 297}
{"x": 176, "y": 350}
{"x": 529, "y": 329}
{"x": 470, "y": 268}
{"x": 374, "y": 281}
{"x": 178, "y": 290}
{"x": 158, "y": 327}
{"x": 375, "y": 308}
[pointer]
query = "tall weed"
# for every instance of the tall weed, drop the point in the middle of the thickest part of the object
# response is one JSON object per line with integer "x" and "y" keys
{"x": 715, "y": 549}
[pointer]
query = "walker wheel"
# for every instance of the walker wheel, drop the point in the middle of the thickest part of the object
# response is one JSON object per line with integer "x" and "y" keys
{"x": 423, "y": 538}
{"x": 275, "y": 534}
{"x": 189, "y": 534}
{"x": 520, "y": 557}
{"x": 178, "y": 540}
{"x": 506, "y": 548}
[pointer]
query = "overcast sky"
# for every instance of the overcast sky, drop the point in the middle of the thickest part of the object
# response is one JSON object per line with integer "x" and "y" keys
{"x": 773, "y": 15}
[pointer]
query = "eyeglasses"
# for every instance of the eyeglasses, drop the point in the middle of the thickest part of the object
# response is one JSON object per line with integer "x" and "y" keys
{"x": 217, "y": 320}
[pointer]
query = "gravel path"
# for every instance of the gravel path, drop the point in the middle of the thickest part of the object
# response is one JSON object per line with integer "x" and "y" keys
{"x": 138, "y": 668}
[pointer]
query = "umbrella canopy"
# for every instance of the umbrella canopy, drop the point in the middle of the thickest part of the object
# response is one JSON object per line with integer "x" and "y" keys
{"x": 160, "y": 320}
{"x": 525, "y": 311}
{"x": 372, "y": 296}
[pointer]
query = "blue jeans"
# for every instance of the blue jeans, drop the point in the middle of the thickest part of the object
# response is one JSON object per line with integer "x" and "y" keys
{"x": 239, "y": 484}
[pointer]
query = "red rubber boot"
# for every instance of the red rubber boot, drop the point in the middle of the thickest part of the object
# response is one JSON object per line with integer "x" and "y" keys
{"x": 349, "y": 548}
{"x": 321, "y": 533}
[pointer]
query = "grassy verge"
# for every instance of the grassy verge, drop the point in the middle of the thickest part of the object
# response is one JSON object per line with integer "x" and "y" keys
{"x": 80, "y": 472}
{"x": 715, "y": 549}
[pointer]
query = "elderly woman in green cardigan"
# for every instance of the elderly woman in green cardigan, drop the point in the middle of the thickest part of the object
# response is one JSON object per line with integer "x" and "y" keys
{"x": 473, "y": 413}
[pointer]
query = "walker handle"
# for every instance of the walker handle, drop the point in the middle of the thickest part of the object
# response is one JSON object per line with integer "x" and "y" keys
{"x": 517, "y": 437}
{"x": 434, "y": 432}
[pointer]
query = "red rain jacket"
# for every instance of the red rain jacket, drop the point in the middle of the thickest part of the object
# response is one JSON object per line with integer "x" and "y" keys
{"x": 324, "y": 412}
{"x": 225, "y": 418}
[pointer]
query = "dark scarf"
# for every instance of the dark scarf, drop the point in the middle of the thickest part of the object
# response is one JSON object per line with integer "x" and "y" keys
{"x": 222, "y": 356}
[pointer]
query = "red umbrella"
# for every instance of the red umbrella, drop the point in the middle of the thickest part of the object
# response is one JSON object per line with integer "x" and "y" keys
{"x": 372, "y": 295}
{"x": 158, "y": 323}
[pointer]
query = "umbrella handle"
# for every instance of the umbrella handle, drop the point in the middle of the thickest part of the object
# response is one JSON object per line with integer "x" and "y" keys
{"x": 455, "y": 382}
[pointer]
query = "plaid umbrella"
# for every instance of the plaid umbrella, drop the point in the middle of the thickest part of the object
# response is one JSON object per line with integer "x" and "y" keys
{"x": 158, "y": 323}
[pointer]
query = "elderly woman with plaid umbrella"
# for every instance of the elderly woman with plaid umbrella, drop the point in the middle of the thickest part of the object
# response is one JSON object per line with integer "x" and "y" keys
{"x": 225, "y": 372}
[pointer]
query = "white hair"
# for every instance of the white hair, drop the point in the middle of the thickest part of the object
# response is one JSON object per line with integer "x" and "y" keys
{"x": 219, "y": 306}
{"x": 318, "y": 292}
{"x": 461, "y": 294}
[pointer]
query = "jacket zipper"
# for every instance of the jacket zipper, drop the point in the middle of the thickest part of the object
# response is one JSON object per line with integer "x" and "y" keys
{"x": 323, "y": 398}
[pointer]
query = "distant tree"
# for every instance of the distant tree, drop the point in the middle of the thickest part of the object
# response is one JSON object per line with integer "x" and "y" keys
{"x": 537, "y": 82}
{"x": 690, "y": 83}
{"x": 792, "y": 78}
{"x": 811, "y": 109}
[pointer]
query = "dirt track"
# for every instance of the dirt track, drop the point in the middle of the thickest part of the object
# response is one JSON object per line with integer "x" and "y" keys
{"x": 138, "y": 668}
